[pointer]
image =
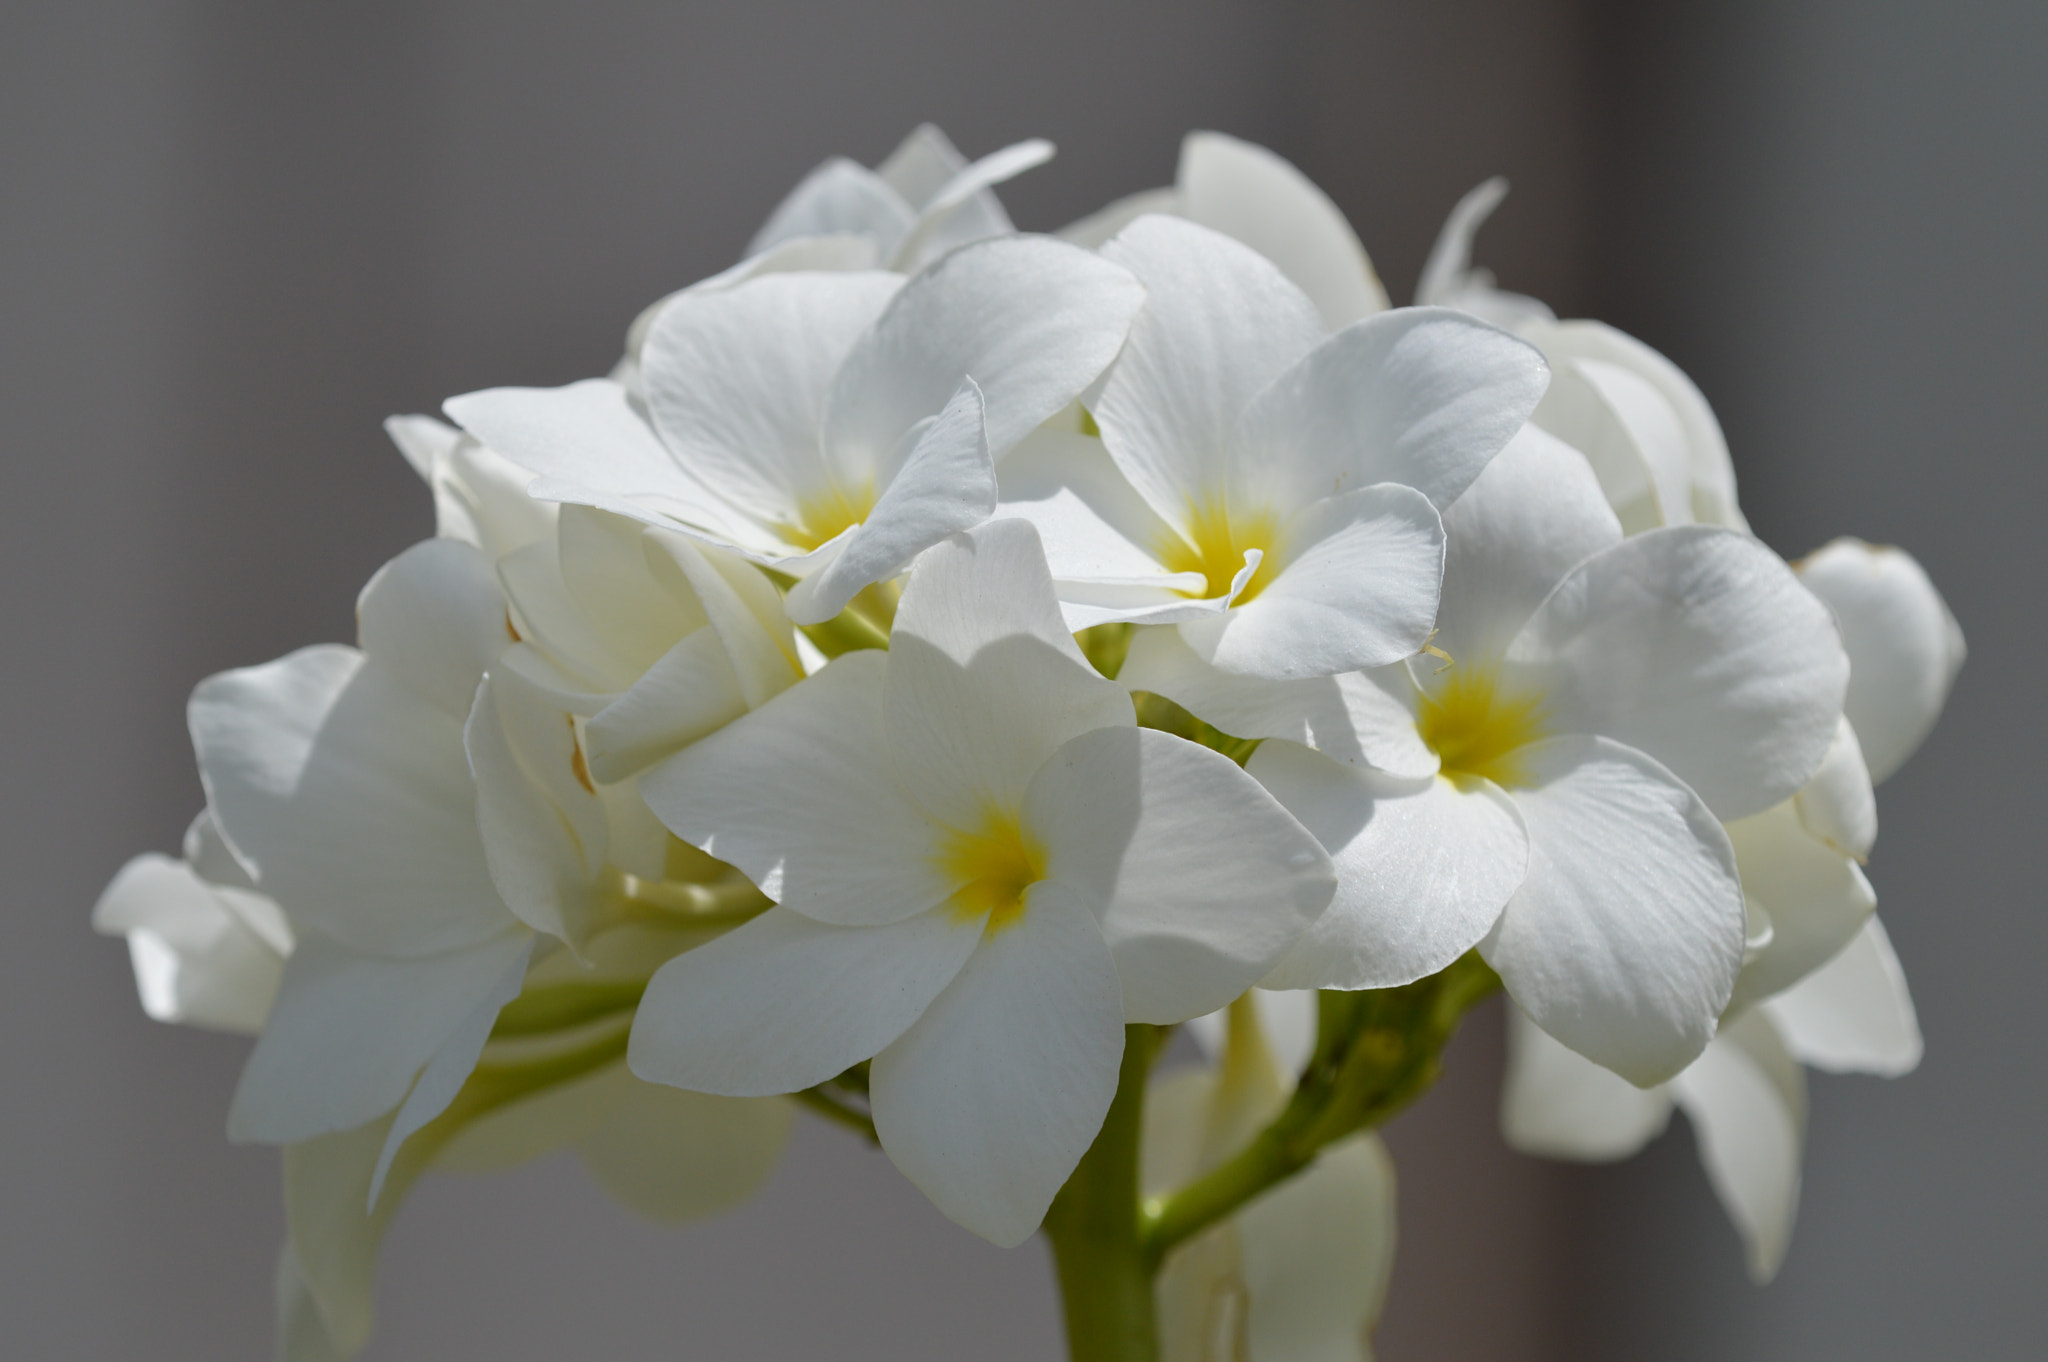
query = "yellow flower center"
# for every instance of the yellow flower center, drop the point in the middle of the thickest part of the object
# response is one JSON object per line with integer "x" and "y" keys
{"x": 993, "y": 866}
{"x": 823, "y": 516}
{"x": 1478, "y": 729}
{"x": 1214, "y": 545}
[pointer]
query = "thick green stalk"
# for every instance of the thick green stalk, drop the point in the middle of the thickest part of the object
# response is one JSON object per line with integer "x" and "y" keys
{"x": 1096, "y": 1229}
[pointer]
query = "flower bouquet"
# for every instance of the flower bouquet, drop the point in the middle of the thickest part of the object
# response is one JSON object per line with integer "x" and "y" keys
{"x": 937, "y": 661}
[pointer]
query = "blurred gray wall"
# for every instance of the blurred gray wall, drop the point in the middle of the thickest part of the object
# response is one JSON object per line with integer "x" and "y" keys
{"x": 234, "y": 237}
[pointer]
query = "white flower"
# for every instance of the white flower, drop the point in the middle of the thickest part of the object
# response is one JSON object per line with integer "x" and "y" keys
{"x": 1553, "y": 796}
{"x": 1301, "y": 1271}
{"x": 921, "y": 202}
{"x": 1246, "y": 192}
{"x": 1287, "y": 482}
{"x": 1746, "y": 1095}
{"x": 983, "y": 870}
{"x": 207, "y": 947}
{"x": 828, "y": 425}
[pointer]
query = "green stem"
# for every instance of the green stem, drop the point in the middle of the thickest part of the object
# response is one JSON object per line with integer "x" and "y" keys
{"x": 1095, "y": 1227}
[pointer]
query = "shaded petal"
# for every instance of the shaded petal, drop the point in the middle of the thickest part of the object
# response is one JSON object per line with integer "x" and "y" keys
{"x": 1317, "y": 1253}
{"x": 434, "y": 618}
{"x": 327, "y": 1279}
{"x": 544, "y": 831}
{"x": 922, "y": 163}
{"x": 1359, "y": 589}
{"x": 839, "y": 198}
{"x": 587, "y": 444}
{"x": 349, "y": 1033}
{"x": 783, "y": 1003}
{"x": 1698, "y": 646}
{"x": 1362, "y": 718}
{"x": 1095, "y": 526}
{"x": 1529, "y": 519}
{"x": 1746, "y": 1098}
{"x": 832, "y": 253}
{"x": 1095, "y": 230}
{"x": 1247, "y": 192}
{"x": 1837, "y": 805}
{"x": 325, "y": 739}
{"x": 965, "y": 208}
{"x": 608, "y": 574}
{"x": 1219, "y": 323}
{"x": 422, "y": 440}
{"x": 1031, "y": 320}
{"x": 196, "y": 960}
{"x": 742, "y": 605}
{"x": 1200, "y": 878}
{"x": 1561, "y": 1105}
{"x": 1815, "y": 896}
{"x": 799, "y": 795}
{"x": 736, "y": 382}
{"x": 1853, "y": 1014}
{"x": 1625, "y": 937}
{"x": 689, "y": 692}
{"x": 989, "y": 1100}
{"x": 672, "y": 1155}
{"x": 1904, "y": 646}
{"x": 948, "y": 484}
{"x": 1423, "y": 868}
{"x": 1420, "y": 396}
{"x": 480, "y": 498}
{"x": 1448, "y": 278}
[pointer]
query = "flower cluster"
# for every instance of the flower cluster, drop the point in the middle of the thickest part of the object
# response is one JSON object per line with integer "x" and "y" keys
{"x": 936, "y": 656}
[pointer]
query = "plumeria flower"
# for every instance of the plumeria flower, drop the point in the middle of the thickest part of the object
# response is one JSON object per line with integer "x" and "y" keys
{"x": 827, "y": 425}
{"x": 1553, "y": 795}
{"x": 1287, "y": 482}
{"x": 1301, "y": 1271}
{"x": 1745, "y": 1096}
{"x": 1248, "y": 193}
{"x": 983, "y": 870}
{"x": 207, "y": 947}
{"x": 1647, "y": 430}
{"x": 924, "y": 200}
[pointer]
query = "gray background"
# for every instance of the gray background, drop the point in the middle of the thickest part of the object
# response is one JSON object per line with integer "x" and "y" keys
{"x": 233, "y": 237}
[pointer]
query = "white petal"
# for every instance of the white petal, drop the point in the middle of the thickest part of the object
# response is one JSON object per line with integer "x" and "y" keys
{"x": 1219, "y": 323}
{"x": 1363, "y": 718}
{"x": 978, "y": 587}
{"x": 1200, "y": 879}
{"x": 1359, "y": 589}
{"x": 832, "y": 253}
{"x": 783, "y": 1003}
{"x": 609, "y": 576}
{"x": 1031, "y": 320}
{"x": 196, "y": 961}
{"x": 1529, "y": 519}
{"x": 480, "y": 498}
{"x": 992, "y": 1096}
{"x": 1904, "y": 646}
{"x": 948, "y": 484}
{"x": 1423, "y": 868}
{"x": 674, "y": 1155}
{"x": 1746, "y": 1098}
{"x": 1853, "y": 1014}
{"x": 736, "y": 381}
{"x": 1624, "y": 939}
{"x": 210, "y": 857}
{"x": 434, "y": 618}
{"x": 839, "y": 198}
{"x": 1447, "y": 273}
{"x": 1561, "y": 1105}
{"x": 1815, "y": 896}
{"x": 349, "y": 1033}
{"x": 742, "y": 605}
{"x": 325, "y": 740}
{"x": 588, "y": 445}
{"x": 1247, "y": 192}
{"x": 1837, "y": 805}
{"x": 689, "y": 692}
{"x": 1095, "y": 230}
{"x": 544, "y": 832}
{"x": 1699, "y": 647}
{"x": 422, "y": 440}
{"x": 1317, "y": 1254}
{"x": 1095, "y": 526}
{"x": 448, "y": 1070}
{"x": 1421, "y": 396}
{"x": 922, "y": 163}
{"x": 799, "y": 795}
{"x": 1651, "y": 426}
{"x": 965, "y": 208}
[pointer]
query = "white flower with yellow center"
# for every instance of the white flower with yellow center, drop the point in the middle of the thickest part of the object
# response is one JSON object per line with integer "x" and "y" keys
{"x": 983, "y": 870}
{"x": 1280, "y": 487}
{"x": 1554, "y": 795}
{"x": 828, "y": 425}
